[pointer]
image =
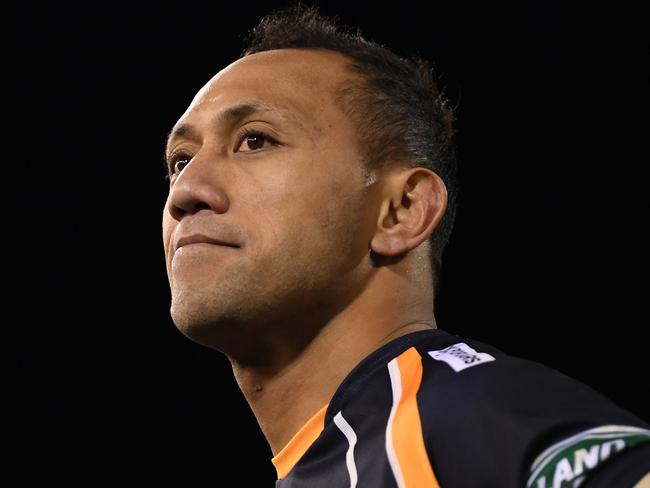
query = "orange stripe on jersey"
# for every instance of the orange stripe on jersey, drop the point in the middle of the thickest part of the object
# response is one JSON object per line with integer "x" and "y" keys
{"x": 408, "y": 441}
{"x": 291, "y": 453}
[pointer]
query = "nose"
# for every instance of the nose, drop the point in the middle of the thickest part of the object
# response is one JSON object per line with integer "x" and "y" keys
{"x": 197, "y": 187}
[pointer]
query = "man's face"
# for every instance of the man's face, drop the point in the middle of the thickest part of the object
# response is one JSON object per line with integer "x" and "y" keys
{"x": 271, "y": 166}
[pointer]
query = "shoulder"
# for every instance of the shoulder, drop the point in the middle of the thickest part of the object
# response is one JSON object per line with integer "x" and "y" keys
{"x": 512, "y": 419}
{"x": 480, "y": 379}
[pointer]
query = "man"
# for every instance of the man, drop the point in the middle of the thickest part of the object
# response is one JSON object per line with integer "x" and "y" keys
{"x": 312, "y": 192}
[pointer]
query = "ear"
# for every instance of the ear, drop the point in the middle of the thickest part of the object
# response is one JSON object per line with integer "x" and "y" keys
{"x": 415, "y": 201}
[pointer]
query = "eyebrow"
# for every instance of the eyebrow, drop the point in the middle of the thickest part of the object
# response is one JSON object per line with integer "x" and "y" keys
{"x": 229, "y": 116}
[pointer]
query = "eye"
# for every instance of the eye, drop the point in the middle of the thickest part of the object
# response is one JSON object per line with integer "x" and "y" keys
{"x": 252, "y": 140}
{"x": 177, "y": 162}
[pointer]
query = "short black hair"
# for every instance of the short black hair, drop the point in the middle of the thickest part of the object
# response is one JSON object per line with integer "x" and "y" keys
{"x": 397, "y": 106}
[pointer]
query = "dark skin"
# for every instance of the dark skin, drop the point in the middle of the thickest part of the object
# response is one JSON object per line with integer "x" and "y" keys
{"x": 286, "y": 287}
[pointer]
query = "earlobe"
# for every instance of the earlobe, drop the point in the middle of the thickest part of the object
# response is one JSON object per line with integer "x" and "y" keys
{"x": 415, "y": 203}
{"x": 383, "y": 240}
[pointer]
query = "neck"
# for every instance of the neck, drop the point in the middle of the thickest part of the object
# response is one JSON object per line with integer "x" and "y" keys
{"x": 284, "y": 396}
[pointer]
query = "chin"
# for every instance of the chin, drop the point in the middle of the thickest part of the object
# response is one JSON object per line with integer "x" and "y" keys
{"x": 205, "y": 321}
{"x": 190, "y": 312}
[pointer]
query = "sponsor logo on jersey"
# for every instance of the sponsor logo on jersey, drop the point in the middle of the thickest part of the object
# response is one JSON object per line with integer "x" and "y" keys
{"x": 567, "y": 463}
{"x": 460, "y": 356}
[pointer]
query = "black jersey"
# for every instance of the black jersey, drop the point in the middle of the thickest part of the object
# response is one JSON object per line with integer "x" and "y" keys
{"x": 430, "y": 409}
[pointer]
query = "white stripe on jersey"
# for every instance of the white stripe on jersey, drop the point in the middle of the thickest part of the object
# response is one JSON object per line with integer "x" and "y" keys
{"x": 396, "y": 386}
{"x": 351, "y": 436}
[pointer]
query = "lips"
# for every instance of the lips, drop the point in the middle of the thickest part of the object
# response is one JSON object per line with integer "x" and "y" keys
{"x": 201, "y": 239}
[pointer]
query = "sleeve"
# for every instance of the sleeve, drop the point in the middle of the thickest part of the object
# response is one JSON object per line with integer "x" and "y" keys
{"x": 625, "y": 470}
{"x": 492, "y": 420}
{"x": 609, "y": 456}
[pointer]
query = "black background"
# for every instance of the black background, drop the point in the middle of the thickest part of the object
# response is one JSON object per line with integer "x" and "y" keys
{"x": 546, "y": 261}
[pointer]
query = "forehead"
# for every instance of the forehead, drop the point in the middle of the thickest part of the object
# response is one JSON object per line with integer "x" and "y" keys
{"x": 302, "y": 81}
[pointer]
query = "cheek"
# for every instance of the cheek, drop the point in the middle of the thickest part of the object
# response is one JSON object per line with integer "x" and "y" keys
{"x": 335, "y": 213}
{"x": 167, "y": 227}
{"x": 309, "y": 208}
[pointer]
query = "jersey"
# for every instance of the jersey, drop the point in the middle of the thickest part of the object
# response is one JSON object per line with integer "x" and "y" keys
{"x": 433, "y": 410}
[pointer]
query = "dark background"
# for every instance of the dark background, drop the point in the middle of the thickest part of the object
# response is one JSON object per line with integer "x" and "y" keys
{"x": 546, "y": 261}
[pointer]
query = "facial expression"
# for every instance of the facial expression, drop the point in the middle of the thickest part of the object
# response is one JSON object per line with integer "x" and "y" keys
{"x": 268, "y": 219}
